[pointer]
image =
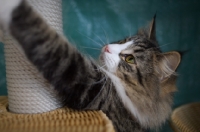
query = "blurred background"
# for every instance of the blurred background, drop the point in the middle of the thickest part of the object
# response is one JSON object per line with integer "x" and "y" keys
{"x": 89, "y": 24}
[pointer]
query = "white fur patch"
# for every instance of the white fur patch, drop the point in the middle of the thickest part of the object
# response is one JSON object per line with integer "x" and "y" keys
{"x": 125, "y": 99}
{"x": 112, "y": 59}
{"x": 117, "y": 48}
{"x": 6, "y": 8}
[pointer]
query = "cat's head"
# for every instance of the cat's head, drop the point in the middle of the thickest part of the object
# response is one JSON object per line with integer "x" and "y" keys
{"x": 147, "y": 74}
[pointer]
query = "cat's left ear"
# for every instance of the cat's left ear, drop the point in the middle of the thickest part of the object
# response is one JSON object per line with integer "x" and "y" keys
{"x": 167, "y": 64}
{"x": 152, "y": 29}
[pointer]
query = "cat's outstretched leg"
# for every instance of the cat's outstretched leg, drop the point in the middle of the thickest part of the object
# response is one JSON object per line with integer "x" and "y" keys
{"x": 72, "y": 75}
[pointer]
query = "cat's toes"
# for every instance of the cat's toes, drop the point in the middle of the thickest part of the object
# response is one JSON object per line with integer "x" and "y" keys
{"x": 6, "y": 8}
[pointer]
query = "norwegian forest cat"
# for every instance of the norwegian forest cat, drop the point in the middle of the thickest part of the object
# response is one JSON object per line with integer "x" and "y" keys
{"x": 135, "y": 87}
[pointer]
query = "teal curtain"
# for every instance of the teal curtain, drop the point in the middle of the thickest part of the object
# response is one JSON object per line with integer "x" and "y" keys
{"x": 89, "y": 24}
{"x": 3, "y": 90}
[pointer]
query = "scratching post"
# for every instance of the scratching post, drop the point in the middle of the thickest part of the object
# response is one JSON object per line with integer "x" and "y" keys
{"x": 33, "y": 98}
{"x": 28, "y": 91}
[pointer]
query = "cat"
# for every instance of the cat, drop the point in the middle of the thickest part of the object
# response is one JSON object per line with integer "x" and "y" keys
{"x": 135, "y": 87}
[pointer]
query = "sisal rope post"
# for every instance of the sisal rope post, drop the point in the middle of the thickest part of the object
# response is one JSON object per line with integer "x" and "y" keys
{"x": 28, "y": 91}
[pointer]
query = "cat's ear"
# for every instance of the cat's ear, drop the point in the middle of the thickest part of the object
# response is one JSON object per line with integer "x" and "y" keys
{"x": 167, "y": 64}
{"x": 150, "y": 31}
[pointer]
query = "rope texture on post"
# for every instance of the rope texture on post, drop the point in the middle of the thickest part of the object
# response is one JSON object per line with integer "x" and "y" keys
{"x": 28, "y": 91}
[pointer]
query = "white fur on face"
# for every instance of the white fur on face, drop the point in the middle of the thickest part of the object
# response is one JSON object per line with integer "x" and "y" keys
{"x": 6, "y": 8}
{"x": 111, "y": 59}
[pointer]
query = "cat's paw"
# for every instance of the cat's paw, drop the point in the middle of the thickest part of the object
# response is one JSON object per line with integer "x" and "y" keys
{"x": 6, "y": 8}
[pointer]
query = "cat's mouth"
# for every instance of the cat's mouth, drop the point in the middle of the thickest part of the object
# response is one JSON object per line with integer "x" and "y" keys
{"x": 107, "y": 62}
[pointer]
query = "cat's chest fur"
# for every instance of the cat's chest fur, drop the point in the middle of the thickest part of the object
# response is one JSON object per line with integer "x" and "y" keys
{"x": 111, "y": 104}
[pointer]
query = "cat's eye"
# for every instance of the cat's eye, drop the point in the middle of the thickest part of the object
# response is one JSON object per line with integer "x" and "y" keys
{"x": 130, "y": 59}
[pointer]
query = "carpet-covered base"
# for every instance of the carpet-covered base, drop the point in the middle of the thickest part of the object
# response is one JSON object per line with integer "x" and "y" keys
{"x": 59, "y": 120}
{"x": 186, "y": 118}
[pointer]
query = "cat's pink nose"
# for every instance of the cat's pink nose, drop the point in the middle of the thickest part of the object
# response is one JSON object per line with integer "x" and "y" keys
{"x": 106, "y": 49}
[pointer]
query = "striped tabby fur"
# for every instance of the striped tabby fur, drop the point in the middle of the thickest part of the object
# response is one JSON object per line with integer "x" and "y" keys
{"x": 135, "y": 95}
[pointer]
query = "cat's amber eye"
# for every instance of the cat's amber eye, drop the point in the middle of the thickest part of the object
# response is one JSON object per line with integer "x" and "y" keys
{"x": 130, "y": 59}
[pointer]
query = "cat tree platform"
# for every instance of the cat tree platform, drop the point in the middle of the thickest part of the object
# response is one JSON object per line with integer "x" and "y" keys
{"x": 186, "y": 118}
{"x": 59, "y": 120}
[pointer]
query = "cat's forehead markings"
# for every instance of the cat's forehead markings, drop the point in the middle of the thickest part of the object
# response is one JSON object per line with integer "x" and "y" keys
{"x": 125, "y": 45}
{"x": 128, "y": 51}
{"x": 117, "y": 48}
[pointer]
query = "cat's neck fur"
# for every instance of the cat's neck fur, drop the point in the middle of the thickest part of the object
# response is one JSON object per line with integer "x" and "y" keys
{"x": 148, "y": 118}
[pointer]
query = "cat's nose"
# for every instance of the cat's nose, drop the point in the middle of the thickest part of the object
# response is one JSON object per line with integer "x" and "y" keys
{"x": 106, "y": 49}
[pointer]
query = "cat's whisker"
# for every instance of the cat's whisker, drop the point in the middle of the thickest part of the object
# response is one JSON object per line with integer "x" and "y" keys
{"x": 165, "y": 44}
{"x": 129, "y": 30}
{"x": 103, "y": 66}
{"x": 103, "y": 43}
{"x": 159, "y": 46}
{"x": 100, "y": 67}
{"x": 106, "y": 36}
{"x": 89, "y": 48}
{"x": 110, "y": 91}
{"x": 90, "y": 38}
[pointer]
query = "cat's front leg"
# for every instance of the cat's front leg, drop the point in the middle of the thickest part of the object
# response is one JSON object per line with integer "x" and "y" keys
{"x": 73, "y": 75}
{"x": 6, "y": 9}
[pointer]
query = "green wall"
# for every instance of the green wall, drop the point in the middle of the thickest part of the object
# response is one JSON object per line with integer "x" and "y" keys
{"x": 3, "y": 90}
{"x": 91, "y": 23}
